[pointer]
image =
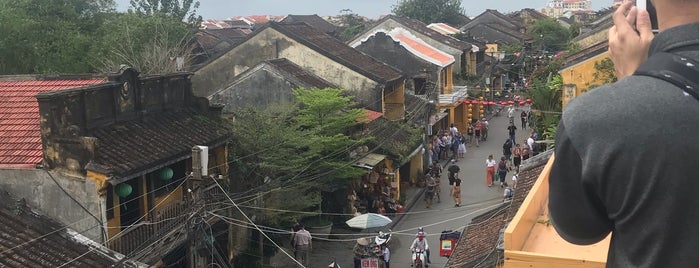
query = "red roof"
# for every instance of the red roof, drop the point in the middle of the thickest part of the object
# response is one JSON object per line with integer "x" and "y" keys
{"x": 20, "y": 136}
{"x": 369, "y": 116}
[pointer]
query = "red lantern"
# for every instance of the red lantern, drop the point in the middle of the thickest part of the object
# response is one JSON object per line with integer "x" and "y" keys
{"x": 484, "y": 102}
{"x": 511, "y": 102}
{"x": 474, "y": 102}
{"x": 491, "y": 103}
{"x": 521, "y": 103}
{"x": 529, "y": 100}
{"x": 502, "y": 103}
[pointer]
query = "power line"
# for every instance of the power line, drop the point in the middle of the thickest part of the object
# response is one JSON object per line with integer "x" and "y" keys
{"x": 256, "y": 227}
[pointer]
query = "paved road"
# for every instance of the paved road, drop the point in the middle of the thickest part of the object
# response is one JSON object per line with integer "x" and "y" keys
{"x": 476, "y": 199}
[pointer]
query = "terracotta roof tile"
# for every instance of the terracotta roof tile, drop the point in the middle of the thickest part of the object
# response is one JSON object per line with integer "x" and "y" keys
{"x": 20, "y": 139}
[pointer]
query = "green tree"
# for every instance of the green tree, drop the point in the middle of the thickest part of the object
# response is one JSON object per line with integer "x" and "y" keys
{"x": 301, "y": 149}
{"x": 150, "y": 43}
{"x": 430, "y": 11}
{"x": 351, "y": 24}
{"x": 550, "y": 35}
{"x": 48, "y": 36}
{"x": 185, "y": 10}
{"x": 604, "y": 71}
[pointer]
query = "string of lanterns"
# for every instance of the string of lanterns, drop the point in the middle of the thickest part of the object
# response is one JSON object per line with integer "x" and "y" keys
{"x": 481, "y": 104}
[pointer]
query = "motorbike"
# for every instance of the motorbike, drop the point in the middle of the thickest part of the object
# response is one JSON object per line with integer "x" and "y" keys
{"x": 382, "y": 238}
{"x": 418, "y": 259}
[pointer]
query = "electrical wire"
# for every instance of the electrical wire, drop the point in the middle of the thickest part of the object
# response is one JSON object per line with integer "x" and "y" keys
{"x": 256, "y": 227}
{"x": 122, "y": 231}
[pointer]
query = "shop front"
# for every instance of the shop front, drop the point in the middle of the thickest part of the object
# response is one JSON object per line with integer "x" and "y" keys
{"x": 379, "y": 187}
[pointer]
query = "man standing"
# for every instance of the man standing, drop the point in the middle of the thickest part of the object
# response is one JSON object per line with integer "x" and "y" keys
{"x": 623, "y": 178}
{"x": 303, "y": 245}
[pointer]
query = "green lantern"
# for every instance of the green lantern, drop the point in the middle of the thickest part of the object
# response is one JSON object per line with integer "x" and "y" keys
{"x": 166, "y": 174}
{"x": 124, "y": 190}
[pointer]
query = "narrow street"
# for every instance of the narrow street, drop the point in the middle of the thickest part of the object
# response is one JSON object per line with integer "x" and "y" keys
{"x": 477, "y": 198}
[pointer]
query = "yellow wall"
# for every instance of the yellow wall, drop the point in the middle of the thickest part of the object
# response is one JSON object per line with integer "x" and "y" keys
{"x": 394, "y": 102}
{"x": 582, "y": 75}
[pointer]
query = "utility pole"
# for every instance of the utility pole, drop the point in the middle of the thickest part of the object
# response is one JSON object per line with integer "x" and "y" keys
{"x": 191, "y": 187}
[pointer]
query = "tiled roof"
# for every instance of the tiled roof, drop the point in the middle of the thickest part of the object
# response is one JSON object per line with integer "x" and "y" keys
{"x": 487, "y": 17}
{"x": 258, "y": 19}
{"x": 394, "y": 138}
{"x": 443, "y": 28}
{"x": 416, "y": 46}
{"x": 422, "y": 28}
{"x": 338, "y": 51}
{"x": 31, "y": 240}
{"x": 131, "y": 148}
{"x": 20, "y": 136}
{"x": 301, "y": 74}
{"x": 369, "y": 116}
{"x": 587, "y": 53}
{"x": 478, "y": 244}
{"x": 313, "y": 20}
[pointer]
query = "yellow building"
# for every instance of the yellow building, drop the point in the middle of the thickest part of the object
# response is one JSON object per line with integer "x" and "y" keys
{"x": 579, "y": 73}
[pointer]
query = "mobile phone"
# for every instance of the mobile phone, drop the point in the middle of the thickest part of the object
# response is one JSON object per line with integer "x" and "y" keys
{"x": 648, "y": 6}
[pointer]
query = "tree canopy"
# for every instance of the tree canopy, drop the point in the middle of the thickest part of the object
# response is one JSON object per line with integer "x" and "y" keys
{"x": 83, "y": 36}
{"x": 431, "y": 11}
{"x": 550, "y": 35}
{"x": 311, "y": 135}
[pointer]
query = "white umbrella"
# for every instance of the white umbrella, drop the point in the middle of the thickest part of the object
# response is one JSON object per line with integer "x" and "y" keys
{"x": 369, "y": 220}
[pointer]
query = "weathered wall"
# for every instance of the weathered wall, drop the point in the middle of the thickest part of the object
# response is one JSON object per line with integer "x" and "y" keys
{"x": 259, "y": 88}
{"x": 44, "y": 195}
{"x": 391, "y": 24}
{"x": 270, "y": 44}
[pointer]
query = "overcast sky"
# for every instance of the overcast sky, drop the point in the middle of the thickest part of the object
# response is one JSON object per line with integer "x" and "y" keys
{"x": 222, "y": 9}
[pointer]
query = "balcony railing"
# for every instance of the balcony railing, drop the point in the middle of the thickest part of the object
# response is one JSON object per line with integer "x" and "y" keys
{"x": 134, "y": 238}
{"x": 168, "y": 222}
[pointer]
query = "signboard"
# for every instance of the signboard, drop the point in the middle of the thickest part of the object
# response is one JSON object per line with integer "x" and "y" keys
{"x": 370, "y": 263}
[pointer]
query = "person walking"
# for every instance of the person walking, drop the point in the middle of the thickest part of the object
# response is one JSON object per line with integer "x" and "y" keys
{"x": 517, "y": 157}
{"x": 523, "y": 118}
{"x": 453, "y": 170}
{"x": 303, "y": 245}
{"x": 502, "y": 171}
{"x": 462, "y": 148}
{"x": 507, "y": 152}
{"x": 489, "y": 170}
{"x": 477, "y": 132}
{"x": 456, "y": 192}
{"x": 469, "y": 132}
{"x": 625, "y": 178}
{"x": 512, "y": 129}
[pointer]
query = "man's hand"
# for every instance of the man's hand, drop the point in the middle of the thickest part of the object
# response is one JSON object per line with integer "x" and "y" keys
{"x": 629, "y": 38}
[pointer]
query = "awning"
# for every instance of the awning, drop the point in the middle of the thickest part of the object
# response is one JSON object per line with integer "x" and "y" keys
{"x": 369, "y": 161}
{"x": 438, "y": 116}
